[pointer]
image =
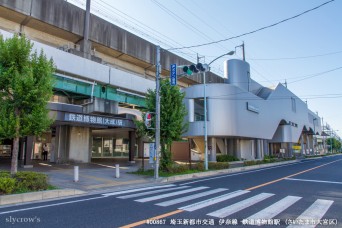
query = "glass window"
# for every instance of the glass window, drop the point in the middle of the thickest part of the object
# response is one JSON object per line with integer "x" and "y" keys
{"x": 97, "y": 147}
{"x": 199, "y": 109}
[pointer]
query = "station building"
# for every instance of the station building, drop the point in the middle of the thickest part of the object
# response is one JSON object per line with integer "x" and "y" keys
{"x": 248, "y": 120}
{"x": 103, "y": 73}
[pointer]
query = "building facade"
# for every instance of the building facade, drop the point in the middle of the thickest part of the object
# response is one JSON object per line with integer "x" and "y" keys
{"x": 249, "y": 121}
{"x": 102, "y": 75}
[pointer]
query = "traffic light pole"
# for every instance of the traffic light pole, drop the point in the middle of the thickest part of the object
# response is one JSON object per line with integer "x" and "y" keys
{"x": 157, "y": 135}
{"x": 205, "y": 124}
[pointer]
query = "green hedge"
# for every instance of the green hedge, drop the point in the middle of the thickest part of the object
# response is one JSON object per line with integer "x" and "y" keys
{"x": 226, "y": 158}
{"x": 7, "y": 185}
{"x": 24, "y": 181}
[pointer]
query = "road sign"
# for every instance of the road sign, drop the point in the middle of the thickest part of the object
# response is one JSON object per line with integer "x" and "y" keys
{"x": 152, "y": 151}
{"x": 173, "y": 74}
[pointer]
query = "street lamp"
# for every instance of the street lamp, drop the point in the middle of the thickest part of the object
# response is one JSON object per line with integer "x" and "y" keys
{"x": 205, "y": 111}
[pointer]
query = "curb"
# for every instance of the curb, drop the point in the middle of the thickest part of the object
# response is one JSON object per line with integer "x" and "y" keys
{"x": 225, "y": 171}
{"x": 35, "y": 196}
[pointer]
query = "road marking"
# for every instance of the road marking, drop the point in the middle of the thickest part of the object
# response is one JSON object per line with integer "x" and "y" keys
{"x": 148, "y": 199}
{"x": 153, "y": 218}
{"x": 317, "y": 181}
{"x": 242, "y": 172}
{"x": 51, "y": 205}
{"x": 212, "y": 201}
{"x": 315, "y": 212}
{"x": 276, "y": 208}
{"x": 246, "y": 191}
{"x": 191, "y": 197}
{"x": 296, "y": 174}
{"x": 226, "y": 211}
{"x": 151, "y": 192}
{"x": 137, "y": 190}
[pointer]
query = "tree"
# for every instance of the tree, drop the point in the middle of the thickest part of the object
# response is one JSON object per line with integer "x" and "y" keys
{"x": 336, "y": 145}
{"x": 26, "y": 84}
{"x": 172, "y": 113}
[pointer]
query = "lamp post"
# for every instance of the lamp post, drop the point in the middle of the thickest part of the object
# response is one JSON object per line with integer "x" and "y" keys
{"x": 205, "y": 111}
{"x": 314, "y": 136}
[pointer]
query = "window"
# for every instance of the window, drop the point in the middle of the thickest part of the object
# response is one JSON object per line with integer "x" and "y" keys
{"x": 293, "y": 102}
{"x": 199, "y": 109}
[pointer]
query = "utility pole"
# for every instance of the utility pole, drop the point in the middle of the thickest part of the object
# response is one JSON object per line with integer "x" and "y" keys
{"x": 157, "y": 136}
{"x": 243, "y": 50}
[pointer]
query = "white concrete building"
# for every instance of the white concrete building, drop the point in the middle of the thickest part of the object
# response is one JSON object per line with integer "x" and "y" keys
{"x": 248, "y": 120}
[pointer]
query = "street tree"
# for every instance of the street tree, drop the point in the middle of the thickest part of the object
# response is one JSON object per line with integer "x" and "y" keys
{"x": 26, "y": 84}
{"x": 172, "y": 113}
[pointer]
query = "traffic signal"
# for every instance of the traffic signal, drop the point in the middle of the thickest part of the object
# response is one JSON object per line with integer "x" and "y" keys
{"x": 199, "y": 67}
{"x": 148, "y": 119}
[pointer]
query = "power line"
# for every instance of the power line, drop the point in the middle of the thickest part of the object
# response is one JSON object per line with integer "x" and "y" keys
{"x": 315, "y": 75}
{"x": 254, "y": 31}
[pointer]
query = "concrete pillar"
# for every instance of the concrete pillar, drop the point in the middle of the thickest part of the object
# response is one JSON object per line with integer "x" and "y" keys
{"x": 28, "y": 151}
{"x": 79, "y": 144}
{"x": 62, "y": 144}
{"x": 302, "y": 144}
{"x": 212, "y": 149}
{"x": 132, "y": 142}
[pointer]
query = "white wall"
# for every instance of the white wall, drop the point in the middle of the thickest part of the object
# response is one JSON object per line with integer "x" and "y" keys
{"x": 79, "y": 149}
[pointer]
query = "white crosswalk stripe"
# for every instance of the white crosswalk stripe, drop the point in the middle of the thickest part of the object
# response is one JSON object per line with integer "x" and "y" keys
{"x": 150, "y": 192}
{"x": 137, "y": 190}
{"x": 212, "y": 201}
{"x": 169, "y": 194}
{"x": 191, "y": 197}
{"x": 315, "y": 212}
{"x": 276, "y": 208}
{"x": 226, "y": 211}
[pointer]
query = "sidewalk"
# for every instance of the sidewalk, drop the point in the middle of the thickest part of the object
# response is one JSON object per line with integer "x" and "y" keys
{"x": 99, "y": 176}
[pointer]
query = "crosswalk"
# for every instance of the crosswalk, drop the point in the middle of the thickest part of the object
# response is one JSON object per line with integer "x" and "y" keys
{"x": 222, "y": 203}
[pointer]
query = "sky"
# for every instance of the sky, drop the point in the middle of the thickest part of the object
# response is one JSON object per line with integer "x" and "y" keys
{"x": 305, "y": 51}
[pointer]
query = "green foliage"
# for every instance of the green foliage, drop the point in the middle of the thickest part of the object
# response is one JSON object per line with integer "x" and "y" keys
{"x": 269, "y": 159}
{"x": 26, "y": 84}
{"x": 7, "y": 185}
{"x": 218, "y": 165}
{"x": 226, "y": 158}
{"x": 31, "y": 180}
{"x": 5, "y": 174}
{"x": 336, "y": 145}
{"x": 172, "y": 113}
{"x": 23, "y": 182}
{"x": 177, "y": 168}
{"x": 252, "y": 162}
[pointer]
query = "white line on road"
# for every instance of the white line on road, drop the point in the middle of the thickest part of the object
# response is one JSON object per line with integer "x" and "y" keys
{"x": 137, "y": 190}
{"x": 226, "y": 211}
{"x": 50, "y": 205}
{"x": 212, "y": 201}
{"x": 315, "y": 212}
{"x": 276, "y": 208}
{"x": 317, "y": 181}
{"x": 191, "y": 197}
{"x": 148, "y": 199}
{"x": 151, "y": 192}
{"x": 243, "y": 172}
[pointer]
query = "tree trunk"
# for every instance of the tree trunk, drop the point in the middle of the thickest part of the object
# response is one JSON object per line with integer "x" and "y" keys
{"x": 15, "y": 151}
{"x": 14, "y": 164}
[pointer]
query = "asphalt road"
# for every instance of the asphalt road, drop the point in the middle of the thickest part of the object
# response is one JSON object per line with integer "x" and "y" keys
{"x": 305, "y": 193}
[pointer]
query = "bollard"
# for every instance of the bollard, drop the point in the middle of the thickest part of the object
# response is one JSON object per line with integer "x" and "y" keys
{"x": 117, "y": 171}
{"x": 75, "y": 173}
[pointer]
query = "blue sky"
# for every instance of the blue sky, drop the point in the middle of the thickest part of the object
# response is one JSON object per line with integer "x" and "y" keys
{"x": 305, "y": 51}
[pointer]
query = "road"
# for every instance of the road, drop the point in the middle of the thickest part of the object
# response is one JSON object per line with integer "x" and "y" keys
{"x": 305, "y": 192}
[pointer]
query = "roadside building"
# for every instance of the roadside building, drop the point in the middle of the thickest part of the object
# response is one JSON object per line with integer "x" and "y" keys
{"x": 248, "y": 120}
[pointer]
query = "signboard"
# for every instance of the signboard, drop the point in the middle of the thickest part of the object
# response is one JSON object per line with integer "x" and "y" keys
{"x": 173, "y": 74}
{"x": 90, "y": 119}
{"x": 152, "y": 151}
